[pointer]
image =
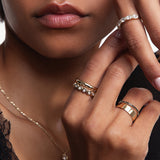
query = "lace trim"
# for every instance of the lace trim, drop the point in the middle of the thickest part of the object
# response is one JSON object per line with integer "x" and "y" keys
{"x": 6, "y": 150}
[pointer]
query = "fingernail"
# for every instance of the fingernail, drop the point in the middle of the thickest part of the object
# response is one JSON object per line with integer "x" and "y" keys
{"x": 157, "y": 83}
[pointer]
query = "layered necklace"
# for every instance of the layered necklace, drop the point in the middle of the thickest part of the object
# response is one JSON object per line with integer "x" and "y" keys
{"x": 65, "y": 154}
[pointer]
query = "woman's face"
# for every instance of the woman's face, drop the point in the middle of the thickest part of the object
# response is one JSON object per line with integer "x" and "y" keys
{"x": 48, "y": 30}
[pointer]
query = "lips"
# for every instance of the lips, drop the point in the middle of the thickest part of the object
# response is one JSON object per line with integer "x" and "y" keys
{"x": 59, "y": 16}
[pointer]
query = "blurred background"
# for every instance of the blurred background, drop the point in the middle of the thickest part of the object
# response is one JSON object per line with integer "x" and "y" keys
{"x": 2, "y": 37}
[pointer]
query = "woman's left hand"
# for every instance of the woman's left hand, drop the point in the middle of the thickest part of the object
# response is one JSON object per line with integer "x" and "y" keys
{"x": 134, "y": 32}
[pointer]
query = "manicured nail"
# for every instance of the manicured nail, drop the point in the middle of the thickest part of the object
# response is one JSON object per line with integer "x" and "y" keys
{"x": 157, "y": 83}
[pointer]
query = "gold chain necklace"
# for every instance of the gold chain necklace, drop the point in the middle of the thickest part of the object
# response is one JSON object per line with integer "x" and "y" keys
{"x": 64, "y": 153}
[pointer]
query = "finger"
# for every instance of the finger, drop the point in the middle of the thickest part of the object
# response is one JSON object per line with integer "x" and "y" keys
{"x": 138, "y": 43}
{"x": 109, "y": 89}
{"x": 137, "y": 97}
{"x": 150, "y": 13}
{"x": 114, "y": 79}
{"x": 99, "y": 62}
{"x": 77, "y": 105}
{"x": 146, "y": 120}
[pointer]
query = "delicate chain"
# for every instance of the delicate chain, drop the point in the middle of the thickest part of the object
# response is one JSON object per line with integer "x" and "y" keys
{"x": 64, "y": 155}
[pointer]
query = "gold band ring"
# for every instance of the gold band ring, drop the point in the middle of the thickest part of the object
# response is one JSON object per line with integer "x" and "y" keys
{"x": 85, "y": 88}
{"x": 127, "y": 18}
{"x": 129, "y": 108}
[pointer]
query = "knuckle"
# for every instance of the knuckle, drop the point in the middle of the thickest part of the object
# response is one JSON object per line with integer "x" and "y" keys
{"x": 140, "y": 93}
{"x": 153, "y": 108}
{"x": 138, "y": 149}
{"x": 135, "y": 149}
{"x": 129, "y": 146}
{"x": 116, "y": 71}
{"x": 93, "y": 65}
{"x": 112, "y": 138}
{"x": 69, "y": 119}
{"x": 118, "y": 140}
{"x": 135, "y": 43}
{"x": 90, "y": 131}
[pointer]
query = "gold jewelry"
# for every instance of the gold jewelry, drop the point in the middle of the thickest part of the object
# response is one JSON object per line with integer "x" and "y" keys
{"x": 127, "y": 18}
{"x": 85, "y": 88}
{"x": 64, "y": 153}
{"x": 129, "y": 108}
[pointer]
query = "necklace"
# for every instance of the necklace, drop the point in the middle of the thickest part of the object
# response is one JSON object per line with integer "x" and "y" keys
{"x": 64, "y": 153}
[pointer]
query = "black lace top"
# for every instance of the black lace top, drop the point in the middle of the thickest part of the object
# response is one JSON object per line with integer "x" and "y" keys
{"x": 6, "y": 151}
{"x": 137, "y": 79}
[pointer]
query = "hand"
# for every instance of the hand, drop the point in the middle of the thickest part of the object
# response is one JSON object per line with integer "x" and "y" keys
{"x": 134, "y": 32}
{"x": 96, "y": 128}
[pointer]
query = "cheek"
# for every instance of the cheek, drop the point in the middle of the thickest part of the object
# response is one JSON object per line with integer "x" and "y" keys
{"x": 16, "y": 11}
{"x": 105, "y": 14}
{"x": 60, "y": 43}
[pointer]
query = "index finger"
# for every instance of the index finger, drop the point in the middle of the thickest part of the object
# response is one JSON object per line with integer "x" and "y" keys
{"x": 138, "y": 42}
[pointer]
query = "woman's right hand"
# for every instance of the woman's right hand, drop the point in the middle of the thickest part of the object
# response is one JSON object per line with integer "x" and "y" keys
{"x": 95, "y": 127}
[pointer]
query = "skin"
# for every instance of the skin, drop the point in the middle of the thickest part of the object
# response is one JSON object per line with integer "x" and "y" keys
{"x": 41, "y": 64}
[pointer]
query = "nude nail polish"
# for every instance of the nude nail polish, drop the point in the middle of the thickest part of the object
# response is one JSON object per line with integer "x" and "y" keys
{"x": 157, "y": 83}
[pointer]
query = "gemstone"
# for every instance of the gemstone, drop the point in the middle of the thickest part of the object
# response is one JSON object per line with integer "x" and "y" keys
{"x": 2, "y": 91}
{"x": 84, "y": 90}
{"x": 93, "y": 94}
{"x": 89, "y": 93}
{"x": 122, "y": 20}
{"x": 75, "y": 85}
{"x": 128, "y": 17}
{"x": 80, "y": 88}
{"x": 64, "y": 156}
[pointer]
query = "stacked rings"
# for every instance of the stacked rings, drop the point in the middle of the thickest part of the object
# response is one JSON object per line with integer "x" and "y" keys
{"x": 85, "y": 88}
{"x": 129, "y": 108}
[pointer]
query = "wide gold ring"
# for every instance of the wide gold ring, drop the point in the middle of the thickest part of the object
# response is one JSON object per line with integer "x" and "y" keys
{"x": 85, "y": 88}
{"x": 129, "y": 108}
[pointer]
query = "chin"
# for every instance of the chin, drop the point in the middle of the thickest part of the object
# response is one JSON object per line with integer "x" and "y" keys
{"x": 60, "y": 52}
{"x": 51, "y": 49}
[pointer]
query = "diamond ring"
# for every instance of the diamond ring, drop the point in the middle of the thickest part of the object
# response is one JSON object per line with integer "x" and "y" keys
{"x": 127, "y": 18}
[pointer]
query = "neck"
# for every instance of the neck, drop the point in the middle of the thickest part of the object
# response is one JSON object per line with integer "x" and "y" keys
{"x": 38, "y": 85}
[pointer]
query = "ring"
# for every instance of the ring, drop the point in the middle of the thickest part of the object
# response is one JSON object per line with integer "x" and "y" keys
{"x": 85, "y": 88}
{"x": 127, "y": 18}
{"x": 129, "y": 108}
